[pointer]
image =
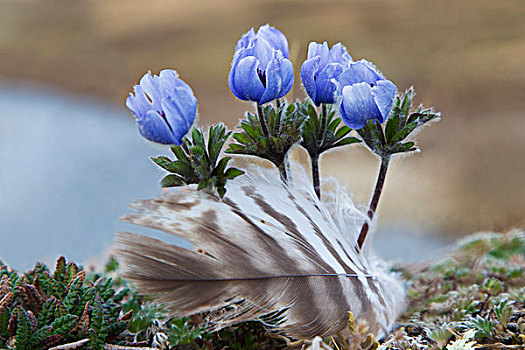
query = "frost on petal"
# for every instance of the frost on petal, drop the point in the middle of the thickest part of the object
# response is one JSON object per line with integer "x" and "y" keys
{"x": 325, "y": 86}
{"x": 358, "y": 105}
{"x": 262, "y": 51}
{"x": 384, "y": 93}
{"x": 154, "y": 128}
{"x": 245, "y": 40}
{"x": 359, "y": 72}
{"x": 318, "y": 79}
{"x": 338, "y": 54}
{"x": 246, "y": 80}
{"x": 279, "y": 79}
{"x": 231, "y": 76}
{"x": 138, "y": 103}
{"x": 288, "y": 77}
{"x": 308, "y": 72}
{"x": 158, "y": 120}
{"x": 260, "y": 71}
{"x": 169, "y": 82}
{"x": 180, "y": 111}
{"x": 150, "y": 86}
{"x": 319, "y": 50}
{"x": 275, "y": 38}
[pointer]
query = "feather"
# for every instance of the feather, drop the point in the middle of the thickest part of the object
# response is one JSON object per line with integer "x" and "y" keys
{"x": 265, "y": 249}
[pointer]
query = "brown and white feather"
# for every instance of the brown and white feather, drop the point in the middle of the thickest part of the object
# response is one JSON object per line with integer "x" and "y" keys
{"x": 267, "y": 247}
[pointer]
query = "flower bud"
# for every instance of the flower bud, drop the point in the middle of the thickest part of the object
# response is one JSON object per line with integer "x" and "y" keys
{"x": 365, "y": 94}
{"x": 321, "y": 68}
{"x": 260, "y": 72}
{"x": 165, "y": 107}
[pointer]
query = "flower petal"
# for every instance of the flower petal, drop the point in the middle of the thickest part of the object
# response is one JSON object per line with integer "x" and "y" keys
{"x": 338, "y": 54}
{"x": 319, "y": 50}
{"x": 279, "y": 78}
{"x": 384, "y": 93}
{"x": 358, "y": 105}
{"x": 138, "y": 103}
{"x": 325, "y": 89}
{"x": 169, "y": 82}
{"x": 275, "y": 38}
{"x": 154, "y": 128}
{"x": 261, "y": 50}
{"x": 288, "y": 77}
{"x": 244, "y": 80}
{"x": 358, "y": 72}
{"x": 245, "y": 40}
{"x": 150, "y": 86}
{"x": 308, "y": 75}
{"x": 180, "y": 110}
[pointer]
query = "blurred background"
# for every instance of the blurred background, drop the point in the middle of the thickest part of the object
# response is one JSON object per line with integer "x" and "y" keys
{"x": 71, "y": 158}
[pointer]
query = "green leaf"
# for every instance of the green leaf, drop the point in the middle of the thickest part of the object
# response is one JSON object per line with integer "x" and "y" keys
{"x": 405, "y": 147}
{"x": 232, "y": 173}
{"x": 403, "y": 133}
{"x": 346, "y": 141}
{"x": 171, "y": 181}
{"x": 407, "y": 102}
{"x": 203, "y": 184}
{"x": 221, "y": 191}
{"x": 377, "y": 132}
{"x": 392, "y": 127}
{"x": 63, "y": 325}
{"x": 250, "y": 131}
{"x": 334, "y": 123}
{"x": 242, "y": 138}
{"x": 423, "y": 117}
{"x": 98, "y": 330}
{"x": 219, "y": 169}
{"x": 23, "y": 330}
{"x": 178, "y": 151}
{"x": 198, "y": 138}
{"x": 342, "y": 132}
{"x": 234, "y": 148}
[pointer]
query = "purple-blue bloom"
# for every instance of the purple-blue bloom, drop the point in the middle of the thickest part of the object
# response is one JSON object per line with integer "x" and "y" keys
{"x": 165, "y": 107}
{"x": 321, "y": 68}
{"x": 365, "y": 94}
{"x": 260, "y": 72}
{"x": 274, "y": 37}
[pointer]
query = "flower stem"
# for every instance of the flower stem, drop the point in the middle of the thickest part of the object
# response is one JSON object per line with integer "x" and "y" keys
{"x": 315, "y": 175}
{"x": 282, "y": 171}
{"x": 324, "y": 121}
{"x": 262, "y": 121}
{"x": 385, "y": 160}
{"x": 315, "y": 159}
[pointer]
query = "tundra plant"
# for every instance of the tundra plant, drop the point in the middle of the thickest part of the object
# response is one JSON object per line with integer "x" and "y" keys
{"x": 348, "y": 102}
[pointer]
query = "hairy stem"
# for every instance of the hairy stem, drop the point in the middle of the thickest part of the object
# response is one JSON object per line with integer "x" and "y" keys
{"x": 278, "y": 103}
{"x": 324, "y": 121}
{"x": 315, "y": 176}
{"x": 315, "y": 159}
{"x": 282, "y": 171}
{"x": 385, "y": 160}
{"x": 262, "y": 121}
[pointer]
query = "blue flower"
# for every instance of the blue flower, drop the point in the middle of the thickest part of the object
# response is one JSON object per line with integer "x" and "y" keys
{"x": 259, "y": 71}
{"x": 274, "y": 37}
{"x": 365, "y": 94}
{"x": 165, "y": 107}
{"x": 321, "y": 68}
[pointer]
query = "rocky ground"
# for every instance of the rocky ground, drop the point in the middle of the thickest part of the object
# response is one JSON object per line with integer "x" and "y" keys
{"x": 473, "y": 298}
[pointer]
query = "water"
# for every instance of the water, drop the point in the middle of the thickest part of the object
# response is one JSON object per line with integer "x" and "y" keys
{"x": 70, "y": 166}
